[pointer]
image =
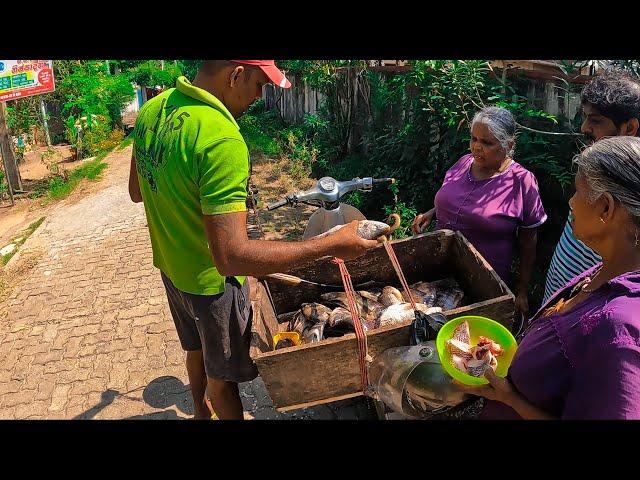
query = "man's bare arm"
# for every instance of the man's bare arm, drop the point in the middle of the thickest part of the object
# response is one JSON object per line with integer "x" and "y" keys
{"x": 134, "y": 186}
{"x": 235, "y": 254}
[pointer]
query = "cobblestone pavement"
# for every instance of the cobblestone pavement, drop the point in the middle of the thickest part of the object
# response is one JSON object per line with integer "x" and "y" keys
{"x": 88, "y": 332}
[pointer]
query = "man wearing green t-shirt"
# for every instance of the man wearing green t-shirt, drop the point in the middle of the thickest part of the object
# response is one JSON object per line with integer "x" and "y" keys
{"x": 190, "y": 167}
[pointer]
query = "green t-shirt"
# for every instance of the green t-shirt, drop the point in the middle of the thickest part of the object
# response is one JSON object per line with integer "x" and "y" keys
{"x": 191, "y": 161}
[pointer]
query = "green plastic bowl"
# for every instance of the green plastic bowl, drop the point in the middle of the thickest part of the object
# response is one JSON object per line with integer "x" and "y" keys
{"x": 478, "y": 326}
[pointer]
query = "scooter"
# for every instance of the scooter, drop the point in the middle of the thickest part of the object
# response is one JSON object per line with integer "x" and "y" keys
{"x": 326, "y": 195}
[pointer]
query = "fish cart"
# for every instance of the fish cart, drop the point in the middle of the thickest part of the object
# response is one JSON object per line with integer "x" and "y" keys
{"x": 327, "y": 371}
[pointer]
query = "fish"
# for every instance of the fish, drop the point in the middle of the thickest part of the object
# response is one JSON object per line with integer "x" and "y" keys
{"x": 483, "y": 352}
{"x": 479, "y": 352}
{"x": 315, "y": 312}
{"x": 461, "y": 333}
{"x": 476, "y": 368}
{"x": 402, "y": 312}
{"x": 367, "y": 229}
{"x": 338, "y": 299}
{"x": 449, "y": 299}
{"x": 494, "y": 347}
{"x": 309, "y": 321}
{"x": 482, "y": 359}
{"x": 390, "y": 296}
{"x": 459, "y": 362}
{"x": 428, "y": 292}
{"x": 369, "y": 310}
{"x": 369, "y": 295}
{"x": 449, "y": 293}
{"x": 372, "y": 229}
{"x": 297, "y": 323}
{"x": 473, "y": 360}
{"x": 340, "y": 316}
{"x": 459, "y": 348}
{"x": 341, "y": 319}
{"x": 420, "y": 297}
{"x": 313, "y": 333}
{"x": 340, "y": 323}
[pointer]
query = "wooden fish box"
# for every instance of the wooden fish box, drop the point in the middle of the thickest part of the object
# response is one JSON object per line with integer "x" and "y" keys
{"x": 311, "y": 374}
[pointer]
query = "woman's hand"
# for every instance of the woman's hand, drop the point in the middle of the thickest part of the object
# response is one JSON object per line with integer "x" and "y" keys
{"x": 499, "y": 389}
{"x": 522, "y": 304}
{"x": 422, "y": 221}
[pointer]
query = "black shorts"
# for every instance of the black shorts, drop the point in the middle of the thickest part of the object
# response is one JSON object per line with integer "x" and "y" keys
{"x": 219, "y": 325}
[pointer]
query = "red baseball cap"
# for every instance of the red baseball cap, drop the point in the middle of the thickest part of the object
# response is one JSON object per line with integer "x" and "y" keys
{"x": 271, "y": 71}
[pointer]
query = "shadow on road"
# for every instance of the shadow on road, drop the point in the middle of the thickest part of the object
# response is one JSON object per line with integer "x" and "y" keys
{"x": 163, "y": 392}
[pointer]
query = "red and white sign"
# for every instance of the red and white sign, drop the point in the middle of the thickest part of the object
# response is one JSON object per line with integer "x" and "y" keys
{"x": 23, "y": 78}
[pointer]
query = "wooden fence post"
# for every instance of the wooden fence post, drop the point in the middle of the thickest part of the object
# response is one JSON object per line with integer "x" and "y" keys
{"x": 6, "y": 147}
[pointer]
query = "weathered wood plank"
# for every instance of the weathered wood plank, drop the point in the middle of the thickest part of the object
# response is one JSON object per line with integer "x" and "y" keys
{"x": 264, "y": 324}
{"x": 318, "y": 402}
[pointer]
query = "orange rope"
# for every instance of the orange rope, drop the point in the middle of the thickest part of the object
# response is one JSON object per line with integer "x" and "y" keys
{"x": 399, "y": 272}
{"x": 363, "y": 352}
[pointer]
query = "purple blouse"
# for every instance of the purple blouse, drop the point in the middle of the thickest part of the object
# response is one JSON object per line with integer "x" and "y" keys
{"x": 583, "y": 363}
{"x": 489, "y": 212}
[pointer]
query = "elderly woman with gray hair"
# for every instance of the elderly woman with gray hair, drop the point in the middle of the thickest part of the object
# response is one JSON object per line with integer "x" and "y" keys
{"x": 580, "y": 356}
{"x": 492, "y": 200}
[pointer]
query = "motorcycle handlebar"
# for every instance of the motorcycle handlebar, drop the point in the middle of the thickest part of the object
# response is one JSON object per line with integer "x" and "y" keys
{"x": 278, "y": 204}
{"x": 346, "y": 187}
{"x": 380, "y": 181}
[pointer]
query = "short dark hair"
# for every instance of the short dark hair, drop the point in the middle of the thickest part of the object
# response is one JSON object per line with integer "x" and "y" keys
{"x": 615, "y": 94}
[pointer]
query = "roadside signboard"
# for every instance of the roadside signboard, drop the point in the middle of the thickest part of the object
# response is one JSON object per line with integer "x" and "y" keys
{"x": 23, "y": 78}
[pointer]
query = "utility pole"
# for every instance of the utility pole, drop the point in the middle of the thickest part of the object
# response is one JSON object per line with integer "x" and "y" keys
{"x": 6, "y": 147}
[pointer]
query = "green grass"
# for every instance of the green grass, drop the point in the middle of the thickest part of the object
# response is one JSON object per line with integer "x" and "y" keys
{"x": 59, "y": 187}
{"x": 20, "y": 239}
{"x": 3, "y": 183}
{"x": 5, "y": 258}
{"x": 258, "y": 130}
{"x": 260, "y": 142}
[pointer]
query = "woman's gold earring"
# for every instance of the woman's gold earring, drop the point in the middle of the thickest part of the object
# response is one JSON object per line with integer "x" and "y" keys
{"x": 636, "y": 244}
{"x": 601, "y": 219}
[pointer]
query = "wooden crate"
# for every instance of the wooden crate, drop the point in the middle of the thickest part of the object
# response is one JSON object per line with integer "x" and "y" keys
{"x": 312, "y": 374}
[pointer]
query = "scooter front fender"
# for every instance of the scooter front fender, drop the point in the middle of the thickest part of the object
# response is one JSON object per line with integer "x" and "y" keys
{"x": 323, "y": 220}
